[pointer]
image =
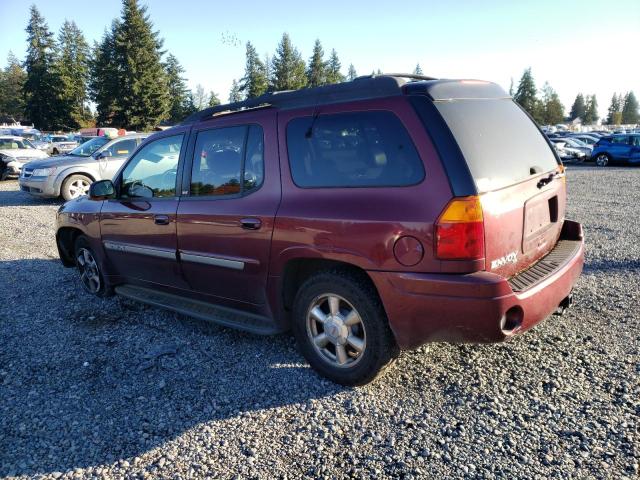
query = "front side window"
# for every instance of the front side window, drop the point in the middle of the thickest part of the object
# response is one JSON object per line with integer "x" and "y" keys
{"x": 356, "y": 149}
{"x": 122, "y": 148}
{"x": 228, "y": 161}
{"x": 88, "y": 148}
{"x": 151, "y": 173}
{"x": 622, "y": 140}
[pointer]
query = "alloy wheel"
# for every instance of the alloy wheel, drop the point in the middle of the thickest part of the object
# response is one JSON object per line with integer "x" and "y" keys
{"x": 336, "y": 330}
{"x": 89, "y": 271}
{"x": 78, "y": 188}
{"x": 602, "y": 160}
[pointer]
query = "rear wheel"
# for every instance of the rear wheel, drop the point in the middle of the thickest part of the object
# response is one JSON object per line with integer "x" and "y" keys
{"x": 90, "y": 274}
{"x": 602, "y": 160}
{"x": 75, "y": 186}
{"x": 341, "y": 328}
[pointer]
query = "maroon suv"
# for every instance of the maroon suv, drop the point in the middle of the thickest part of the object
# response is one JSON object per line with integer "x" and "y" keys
{"x": 369, "y": 217}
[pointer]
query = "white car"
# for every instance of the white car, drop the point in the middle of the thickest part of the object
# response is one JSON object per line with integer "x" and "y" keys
{"x": 59, "y": 144}
{"x": 14, "y": 153}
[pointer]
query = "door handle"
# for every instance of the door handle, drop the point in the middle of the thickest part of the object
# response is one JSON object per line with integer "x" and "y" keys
{"x": 161, "y": 219}
{"x": 251, "y": 223}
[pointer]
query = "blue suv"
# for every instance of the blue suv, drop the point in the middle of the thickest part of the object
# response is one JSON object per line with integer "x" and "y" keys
{"x": 624, "y": 148}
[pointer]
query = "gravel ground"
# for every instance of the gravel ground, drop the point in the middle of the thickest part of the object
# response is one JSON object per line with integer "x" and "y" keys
{"x": 113, "y": 389}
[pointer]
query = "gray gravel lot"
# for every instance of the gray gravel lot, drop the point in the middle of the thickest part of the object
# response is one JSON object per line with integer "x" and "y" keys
{"x": 110, "y": 388}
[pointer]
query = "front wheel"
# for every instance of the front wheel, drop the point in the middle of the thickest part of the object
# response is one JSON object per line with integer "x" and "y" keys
{"x": 602, "y": 160}
{"x": 341, "y": 328}
{"x": 75, "y": 186}
{"x": 91, "y": 276}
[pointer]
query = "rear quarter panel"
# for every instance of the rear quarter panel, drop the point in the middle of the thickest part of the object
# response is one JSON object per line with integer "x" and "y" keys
{"x": 359, "y": 225}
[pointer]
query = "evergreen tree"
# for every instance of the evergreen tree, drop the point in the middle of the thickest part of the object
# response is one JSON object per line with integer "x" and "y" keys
{"x": 317, "y": 70}
{"x": 591, "y": 110}
{"x": 72, "y": 69}
{"x": 103, "y": 84}
{"x": 12, "y": 80}
{"x": 179, "y": 100}
{"x": 288, "y": 67}
{"x": 199, "y": 98}
{"x": 614, "y": 113}
{"x": 352, "y": 74}
{"x": 552, "y": 108}
{"x": 333, "y": 69}
{"x": 143, "y": 98}
{"x": 511, "y": 91}
{"x": 41, "y": 106}
{"x": 630, "y": 110}
{"x": 255, "y": 82}
{"x": 526, "y": 96}
{"x": 268, "y": 71}
{"x": 214, "y": 100}
{"x": 578, "y": 109}
{"x": 235, "y": 95}
{"x": 418, "y": 70}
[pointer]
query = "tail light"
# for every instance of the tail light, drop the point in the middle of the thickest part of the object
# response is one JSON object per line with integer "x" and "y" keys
{"x": 459, "y": 231}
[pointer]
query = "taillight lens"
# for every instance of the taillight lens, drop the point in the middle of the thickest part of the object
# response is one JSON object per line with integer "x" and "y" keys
{"x": 459, "y": 231}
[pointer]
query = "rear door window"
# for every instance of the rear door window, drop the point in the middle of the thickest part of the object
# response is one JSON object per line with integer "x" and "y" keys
{"x": 228, "y": 161}
{"x": 500, "y": 143}
{"x": 355, "y": 149}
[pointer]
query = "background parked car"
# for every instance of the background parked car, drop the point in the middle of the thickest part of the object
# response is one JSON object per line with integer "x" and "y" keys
{"x": 589, "y": 139}
{"x": 14, "y": 153}
{"x": 70, "y": 175}
{"x": 566, "y": 152}
{"x": 60, "y": 144}
{"x": 617, "y": 149}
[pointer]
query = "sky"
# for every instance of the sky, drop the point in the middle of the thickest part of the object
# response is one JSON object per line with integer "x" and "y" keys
{"x": 577, "y": 46}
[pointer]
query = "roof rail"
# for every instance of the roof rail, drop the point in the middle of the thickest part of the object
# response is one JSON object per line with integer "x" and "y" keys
{"x": 361, "y": 88}
{"x": 412, "y": 76}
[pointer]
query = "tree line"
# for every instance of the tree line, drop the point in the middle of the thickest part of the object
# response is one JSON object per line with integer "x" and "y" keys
{"x": 547, "y": 109}
{"x": 135, "y": 84}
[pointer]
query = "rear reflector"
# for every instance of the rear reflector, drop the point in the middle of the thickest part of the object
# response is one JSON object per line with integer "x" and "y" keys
{"x": 459, "y": 231}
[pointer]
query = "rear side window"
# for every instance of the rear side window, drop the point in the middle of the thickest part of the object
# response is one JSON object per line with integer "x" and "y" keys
{"x": 356, "y": 149}
{"x": 499, "y": 142}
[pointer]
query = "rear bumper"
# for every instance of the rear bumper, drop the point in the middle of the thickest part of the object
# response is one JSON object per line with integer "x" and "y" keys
{"x": 472, "y": 308}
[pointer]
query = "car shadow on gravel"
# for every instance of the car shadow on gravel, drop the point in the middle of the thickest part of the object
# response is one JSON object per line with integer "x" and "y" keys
{"x": 17, "y": 198}
{"x": 86, "y": 382}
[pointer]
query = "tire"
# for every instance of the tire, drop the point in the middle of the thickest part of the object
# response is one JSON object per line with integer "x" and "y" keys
{"x": 91, "y": 276}
{"x": 602, "y": 159}
{"x": 74, "y": 186}
{"x": 349, "y": 348}
{"x": 55, "y": 151}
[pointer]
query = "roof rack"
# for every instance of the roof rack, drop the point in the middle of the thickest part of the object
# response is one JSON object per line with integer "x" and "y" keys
{"x": 361, "y": 88}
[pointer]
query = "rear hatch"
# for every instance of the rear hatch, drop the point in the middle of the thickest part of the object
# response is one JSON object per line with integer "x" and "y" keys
{"x": 518, "y": 178}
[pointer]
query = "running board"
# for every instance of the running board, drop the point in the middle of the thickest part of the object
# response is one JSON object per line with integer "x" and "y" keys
{"x": 227, "y": 317}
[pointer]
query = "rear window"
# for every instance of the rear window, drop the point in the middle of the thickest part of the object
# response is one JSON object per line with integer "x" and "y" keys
{"x": 500, "y": 143}
{"x": 355, "y": 149}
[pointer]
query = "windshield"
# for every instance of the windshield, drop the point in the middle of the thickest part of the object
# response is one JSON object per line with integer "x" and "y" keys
{"x": 88, "y": 148}
{"x": 14, "y": 144}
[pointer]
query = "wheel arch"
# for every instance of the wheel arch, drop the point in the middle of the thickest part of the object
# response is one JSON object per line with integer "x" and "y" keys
{"x": 65, "y": 240}
{"x": 297, "y": 270}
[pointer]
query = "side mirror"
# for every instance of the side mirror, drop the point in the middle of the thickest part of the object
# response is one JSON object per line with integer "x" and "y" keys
{"x": 105, "y": 154}
{"x": 102, "y": 190}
